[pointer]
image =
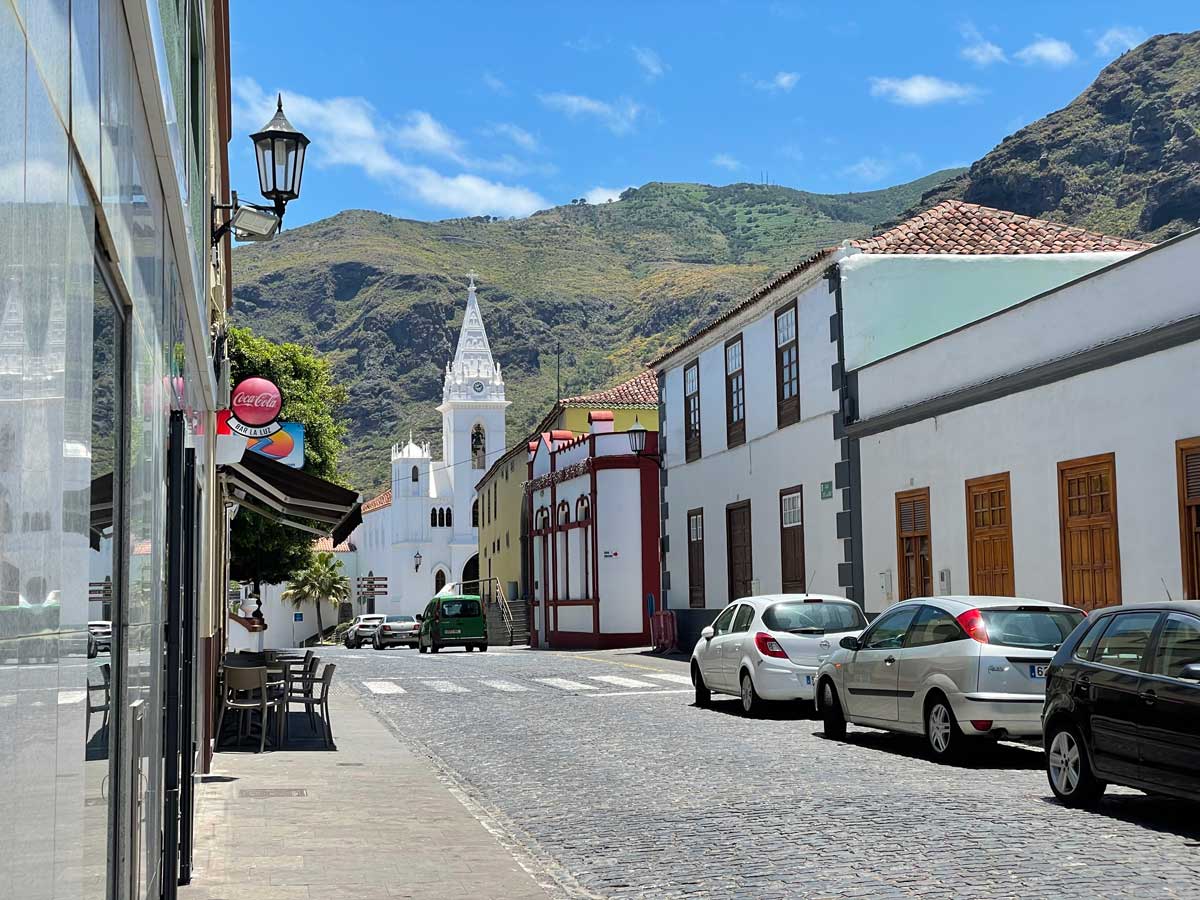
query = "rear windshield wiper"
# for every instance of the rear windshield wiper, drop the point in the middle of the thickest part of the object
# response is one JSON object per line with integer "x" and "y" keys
{"x": 807, "y": 629}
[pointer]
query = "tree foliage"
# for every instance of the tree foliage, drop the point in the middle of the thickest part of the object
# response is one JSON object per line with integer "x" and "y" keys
{"x": 264, "y": 551}
{"x": 320, "y": 582}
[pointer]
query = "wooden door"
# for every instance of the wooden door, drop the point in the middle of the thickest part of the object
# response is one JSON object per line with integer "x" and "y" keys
{"x": 741, "y": 561}
{"x": 1087, "y": 507}
{"x": 695, "y": 519}
{"x": 914, "y": 559}
{"x": 1189, "y": 514}
{"x": 791, "y": 540}
{"x": 989, "y": 536}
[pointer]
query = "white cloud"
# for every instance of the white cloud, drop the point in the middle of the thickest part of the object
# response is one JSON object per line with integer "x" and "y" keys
{"x": 780, "y": 81}
{"x": 650, "y": 62}
{"x": 869, "y": 169}
{"x": 921, "y": 90}
{"x": 514, "y": 133}
{"x": 978, "y": 49}
{"x": 1047, "y": 51}
{"x": 348, "y": 131}
{"x": 494, "y": 84}
{"x": 603, "y": 194}
{"x": 725, "y": 161}
{"x": 1118, "y": 39}
{"x": 619, "y": 117}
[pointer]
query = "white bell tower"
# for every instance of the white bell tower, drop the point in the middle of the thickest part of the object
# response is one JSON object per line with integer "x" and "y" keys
{"x": 473, "y": 411}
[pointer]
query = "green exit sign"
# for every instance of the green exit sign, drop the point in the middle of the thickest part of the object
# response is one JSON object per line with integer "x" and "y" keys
{"x": 826, "y": 490}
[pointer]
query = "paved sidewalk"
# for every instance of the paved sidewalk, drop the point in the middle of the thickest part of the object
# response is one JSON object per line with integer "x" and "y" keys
{"x": 371, "y": 821}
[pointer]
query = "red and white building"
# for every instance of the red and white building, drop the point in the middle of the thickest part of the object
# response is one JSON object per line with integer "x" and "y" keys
{"x": 593, "y": 537}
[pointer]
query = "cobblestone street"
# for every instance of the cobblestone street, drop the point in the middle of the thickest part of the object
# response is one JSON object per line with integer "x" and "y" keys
{"x": 600, "y": 770}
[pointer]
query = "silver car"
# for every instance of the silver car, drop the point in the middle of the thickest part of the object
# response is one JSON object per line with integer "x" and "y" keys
{"x": 362, "y": 629}
{"x": 396, "y": 630}
{"x": 948, "y": 668}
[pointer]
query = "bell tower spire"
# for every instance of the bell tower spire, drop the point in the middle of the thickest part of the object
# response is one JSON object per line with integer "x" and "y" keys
{"x": 473, "y": 374}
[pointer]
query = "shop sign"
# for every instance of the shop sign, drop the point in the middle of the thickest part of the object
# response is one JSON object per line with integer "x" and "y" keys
{"x": 286, "y": 445}
{"x": 255, "y": 405}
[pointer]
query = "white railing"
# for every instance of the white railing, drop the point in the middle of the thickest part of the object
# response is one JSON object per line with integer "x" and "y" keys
{"x": 501, "y": 600}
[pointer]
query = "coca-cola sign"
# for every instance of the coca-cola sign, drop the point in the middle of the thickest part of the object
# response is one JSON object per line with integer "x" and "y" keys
{"x": 256, "y": 401}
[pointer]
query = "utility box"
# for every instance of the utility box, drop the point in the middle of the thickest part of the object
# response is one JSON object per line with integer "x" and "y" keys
{"x": 944, "y": 582}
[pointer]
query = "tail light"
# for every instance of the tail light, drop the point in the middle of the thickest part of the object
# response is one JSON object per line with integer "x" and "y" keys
{"x": 981, "y": 724}
{"x": 768, "y": 646}
{"x": 972, "y": 623}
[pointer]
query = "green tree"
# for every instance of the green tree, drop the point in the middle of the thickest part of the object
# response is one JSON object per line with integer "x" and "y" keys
{"x": 263, "y": 551}
{"x": 320, "y": 582}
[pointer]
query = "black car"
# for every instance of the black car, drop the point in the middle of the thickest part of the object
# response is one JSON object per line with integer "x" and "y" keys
{"x": 1123, "y": 703}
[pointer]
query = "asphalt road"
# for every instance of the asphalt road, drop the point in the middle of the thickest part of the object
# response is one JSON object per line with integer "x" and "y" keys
{"x": 599, "y": 770}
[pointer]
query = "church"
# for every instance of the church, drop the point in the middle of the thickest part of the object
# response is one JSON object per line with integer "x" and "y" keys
{"x": 423, "y": 532}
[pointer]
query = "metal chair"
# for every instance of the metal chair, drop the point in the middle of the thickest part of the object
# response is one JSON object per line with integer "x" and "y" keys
{"x": 246, "y": 691}
{"x": 313, "y": 700}
{"x": 105, "y": 704}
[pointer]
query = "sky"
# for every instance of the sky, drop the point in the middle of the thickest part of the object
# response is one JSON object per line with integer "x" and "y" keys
{"x": 435, "y": 110}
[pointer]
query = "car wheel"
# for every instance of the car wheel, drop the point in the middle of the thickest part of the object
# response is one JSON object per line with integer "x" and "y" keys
{"x": 832, "y": 716}
{"x": 470, "y": 647}
{"x": 483, "y": 648}
{"x": 1069, "y": 770}
{"x": 942, "y": 733}
{"x": 413, "y": 646}
{"x": 751, "y": 704}
{"x": 421, "y": 646}
{"x": 703, "y": 694}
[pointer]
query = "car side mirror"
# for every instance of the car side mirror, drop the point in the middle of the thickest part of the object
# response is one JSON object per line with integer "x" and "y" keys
{"x": 707, "y": 632}
{"x": 1191, "y": 672}
{"x": 420, "y": 618}
{"x": 849, "y": 642}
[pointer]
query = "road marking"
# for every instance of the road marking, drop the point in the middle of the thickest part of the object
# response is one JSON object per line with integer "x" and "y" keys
{"x": 383, "y": 687}
{"x": 446, "y": 687}
{"x": 565, "y": 684}
{"x": 629, "y": 694}
{"x": 621, "y": 681}
{"x": 508, "y": 686}
{"x": 671, "y": 676}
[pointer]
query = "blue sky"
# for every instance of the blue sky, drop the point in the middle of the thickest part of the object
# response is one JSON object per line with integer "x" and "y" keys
{"x": 433, "y": 110}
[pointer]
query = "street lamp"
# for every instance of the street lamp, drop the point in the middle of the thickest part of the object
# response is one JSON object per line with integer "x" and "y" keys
{"x": 637, "y": 442}
{"x": 417, "y": 561}
{"x": 279, "y": 152}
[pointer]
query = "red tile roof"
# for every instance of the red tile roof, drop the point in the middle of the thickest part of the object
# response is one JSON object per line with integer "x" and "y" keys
{"x": 384, "y": 499}
{"x": 639, "y": 391}
{"x": 325, "y": 545}
{"x": 967, "y": 228}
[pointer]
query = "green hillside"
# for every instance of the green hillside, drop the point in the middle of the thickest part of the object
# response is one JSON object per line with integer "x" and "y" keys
{"x": 611, "y": 284}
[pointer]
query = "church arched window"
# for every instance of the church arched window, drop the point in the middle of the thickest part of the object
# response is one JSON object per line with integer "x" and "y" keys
{"x": 433, "y": 518}
{"x": 478, "y": 448}
{"x": 449, "y": 518}
{"x": 475, "y": 513}
{"x": 441, "y": 518}
{"x": 416, "y": 475}
{"x": 439, "y": 580}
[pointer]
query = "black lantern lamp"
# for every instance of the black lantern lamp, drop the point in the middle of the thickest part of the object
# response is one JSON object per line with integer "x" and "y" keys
{"x": 637, "y": 442}
{"x": 279, "y": 153}
{"x": 417, "y": 561}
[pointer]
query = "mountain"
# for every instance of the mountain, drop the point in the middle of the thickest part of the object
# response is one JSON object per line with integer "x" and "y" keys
{"x": 610, "y": 284}
{"x": 1122, "y": 158}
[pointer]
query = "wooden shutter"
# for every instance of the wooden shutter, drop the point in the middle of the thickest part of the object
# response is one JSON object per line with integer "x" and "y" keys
{"x": 1188, "y": 457}
{"x": 695, "y": 522}
{"x": 691, "y": 410}
{"x": 735, "y": 393}
{"x": 791, "y": 540}
{"x": 989, "y": 536}
{"x": 787, "y": 366}
{"x": 914, "y": 561}
{"x": 1087, "y": 506}
{"x": 739, "y": 549}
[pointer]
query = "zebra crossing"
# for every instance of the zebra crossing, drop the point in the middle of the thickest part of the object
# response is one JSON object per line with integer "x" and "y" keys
{"x": 590, "y": 685}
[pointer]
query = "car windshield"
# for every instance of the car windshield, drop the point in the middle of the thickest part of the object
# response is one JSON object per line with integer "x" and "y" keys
{"x": 1032, "y": 627}
{"x": 813, "y": 618}
{"x": 459, "y": 609}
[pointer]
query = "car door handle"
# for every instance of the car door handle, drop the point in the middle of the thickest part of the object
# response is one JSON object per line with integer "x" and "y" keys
{"x": 1148, "y": 697}
{"x": 891, "y": 660}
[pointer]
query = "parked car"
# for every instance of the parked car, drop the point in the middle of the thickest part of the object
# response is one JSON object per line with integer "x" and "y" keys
{"x": 1123, "y": 704}
{"x": 770, "y": 647}
{"x": 453, "y": 620}
{"x": 396, "y": 630}
{"x": 949, "y": 668}
{"x": 362, "y": 629}
{"x": 99, "y": 638}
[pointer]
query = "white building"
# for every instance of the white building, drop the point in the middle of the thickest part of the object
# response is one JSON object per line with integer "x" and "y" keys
{"x": 422, "y": 533}
{"x": 1050, "y": 451}
{"x": 761, "y": 481}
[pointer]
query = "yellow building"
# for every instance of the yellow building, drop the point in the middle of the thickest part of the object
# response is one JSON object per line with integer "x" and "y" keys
{"x": 501, "y": 490}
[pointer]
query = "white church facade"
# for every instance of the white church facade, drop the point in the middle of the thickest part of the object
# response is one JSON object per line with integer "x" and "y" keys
{"x": 422, "y": 533}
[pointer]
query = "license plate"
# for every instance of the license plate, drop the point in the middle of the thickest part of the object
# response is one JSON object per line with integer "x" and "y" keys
{"x": 454, "y": 631}
{"x": 808, "y": 680}
{"x": 1039, "y": 670}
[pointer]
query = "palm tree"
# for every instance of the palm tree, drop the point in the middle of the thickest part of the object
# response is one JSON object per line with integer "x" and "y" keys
{"x": 321, "y": 582}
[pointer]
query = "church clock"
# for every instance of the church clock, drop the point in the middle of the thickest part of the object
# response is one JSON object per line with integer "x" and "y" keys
{"x": 478, "y": 387}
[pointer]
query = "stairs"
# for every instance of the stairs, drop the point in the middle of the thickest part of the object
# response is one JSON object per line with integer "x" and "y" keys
{"x": 497, "y": 624}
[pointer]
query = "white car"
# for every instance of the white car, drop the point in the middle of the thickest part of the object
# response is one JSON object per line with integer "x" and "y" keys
{"x": 362, "y": 629}
{"x": 949, "y": 668}
{"x": 770, "y": 647}
{"x": 397, "y": 630}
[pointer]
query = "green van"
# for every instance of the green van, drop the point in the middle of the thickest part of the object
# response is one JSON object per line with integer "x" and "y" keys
{"x": 453, "y": 620}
